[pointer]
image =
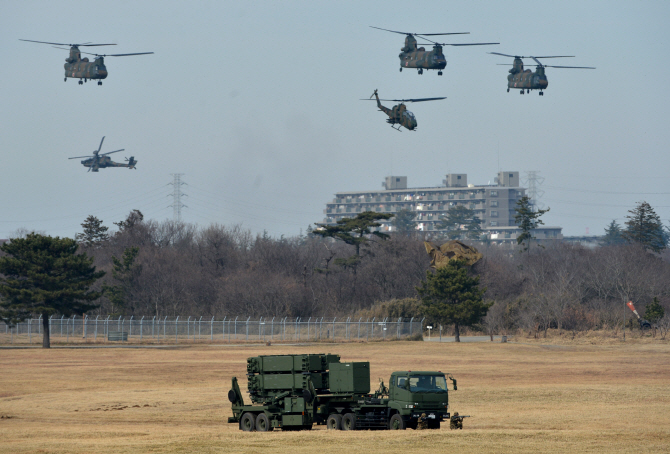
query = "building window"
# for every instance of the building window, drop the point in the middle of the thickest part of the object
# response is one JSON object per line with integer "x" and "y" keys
{"x": 494, "y": 214}
{"x": 461, "y": 196}
{"x": 494, "y": 194}
{"x": 494, "y": 223}
{"x": 451, "y": 196}
{"x": 494, "y": 203}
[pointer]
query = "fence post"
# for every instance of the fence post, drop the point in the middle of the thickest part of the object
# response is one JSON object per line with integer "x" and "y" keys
{"x": 164, "y": 323}
{"x": 39, "y": 325}
{"x": 30, "y": 339}
{"x": 384, "y": 328}
{"x": 141, "y": 326}
{"x": 334, "y": 327}
{"x": 130, "y": 326}
{"x": 411, "y": 321}
{"x": 95, "y": 331}
{"x": 247, "y": 328}
{"x": 61, "y": 325}
{"x": 283, "y": 331}
{"x": 261, "y": 325}
{"x": 223, "y": 328}
{"x": 295, "y": 333}
{"x": 373, "y": 327}
{"x": 397, "y": 329}
{"x": 176, "y": 328}
{"x": 199, "y": 327}
{"x": 235, "y": 329}
{"x": 421, "y": 325}
{"x": 272, "y": 328}
{"x": 346, "y": 331}
{"x": 211, "y": 329}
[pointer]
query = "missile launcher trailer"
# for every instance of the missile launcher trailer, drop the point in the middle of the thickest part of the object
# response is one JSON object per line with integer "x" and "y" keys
{"x": 293, "y": 392}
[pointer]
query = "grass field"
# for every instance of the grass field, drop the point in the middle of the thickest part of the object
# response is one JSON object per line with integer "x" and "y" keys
{"x": 523, "y": 397}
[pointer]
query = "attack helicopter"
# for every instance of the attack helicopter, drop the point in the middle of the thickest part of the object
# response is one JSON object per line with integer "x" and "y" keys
{"x": 398, "y": 114}
{"x": 528, "y": 80}
{"x": 100, "y": 161}
{"x": 412, "y": 56}
{"x": 81, "y": 68}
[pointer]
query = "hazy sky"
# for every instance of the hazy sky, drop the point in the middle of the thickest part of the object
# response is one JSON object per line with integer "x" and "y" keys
{"x": 256, "y": 103}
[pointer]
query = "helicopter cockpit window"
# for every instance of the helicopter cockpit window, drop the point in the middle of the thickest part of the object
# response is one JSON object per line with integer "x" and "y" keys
{"x": 409, "y": 114}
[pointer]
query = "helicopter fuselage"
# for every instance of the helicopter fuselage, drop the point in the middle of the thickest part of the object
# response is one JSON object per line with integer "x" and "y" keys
{"x": 80, "y": 68}
{"x": 106, "y": 161}
{"x": 423, "y": 59}
{"x": 526, "y": 79}
{"x": 399, "y": 115}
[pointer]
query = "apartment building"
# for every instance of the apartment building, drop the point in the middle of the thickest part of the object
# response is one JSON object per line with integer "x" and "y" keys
{"x": 493, "y": 204}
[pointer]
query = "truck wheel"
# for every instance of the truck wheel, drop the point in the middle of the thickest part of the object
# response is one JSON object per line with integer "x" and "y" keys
{"x": 263, "y": 423}
{"x": 349, "y": 422}
{"x": 334, "y": 422}
{"x": 397, "y": 423}
{"x": 247, "y": 423}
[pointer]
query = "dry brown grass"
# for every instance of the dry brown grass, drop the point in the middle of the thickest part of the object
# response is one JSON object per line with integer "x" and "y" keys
{"x": 523, "y": 397}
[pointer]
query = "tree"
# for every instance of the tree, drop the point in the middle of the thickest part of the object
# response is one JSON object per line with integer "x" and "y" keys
{"x": 355, "y": 231}
{"x": 527, "y": 219}
{"x": 644, "y": 226}
{"x": 450, "y": 295}
{"x": 403, "y": 221}
{"x": 654, "y": 311}
{"x": 43, "y": 276}
{"x": 125, "y": 271}
{"x": 460, "y": 223}
{"x": 94, "y": 233}
{"x": 613, "y": 235}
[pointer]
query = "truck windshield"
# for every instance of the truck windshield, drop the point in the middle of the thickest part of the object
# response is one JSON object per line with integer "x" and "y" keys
{"x": 428, "y": 383}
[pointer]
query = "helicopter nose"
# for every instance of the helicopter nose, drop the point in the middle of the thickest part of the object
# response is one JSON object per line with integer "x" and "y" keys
{"x": 543, "y": 83}
{"x": 102, "y": 73}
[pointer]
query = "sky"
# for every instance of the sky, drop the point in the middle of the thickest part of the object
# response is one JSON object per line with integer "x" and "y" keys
{"x": 257, "y": 104}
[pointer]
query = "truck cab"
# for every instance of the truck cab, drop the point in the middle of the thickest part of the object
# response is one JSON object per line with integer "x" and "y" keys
{"x": 412, "y": 393}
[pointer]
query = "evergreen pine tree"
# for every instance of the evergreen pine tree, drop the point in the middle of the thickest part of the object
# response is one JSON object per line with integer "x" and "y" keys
{"x": 403, "y": 221}
{"x": 644, "y": 227}
{"x": 613, "y": 235}
{"x": 461, "y": 223}
{"x": 654, "y": 311}
{"x": 42, "y": 275}
{"x": 94, "y": 233}
{"x": 450, "y": 295}
{"x": 527, "y": 219}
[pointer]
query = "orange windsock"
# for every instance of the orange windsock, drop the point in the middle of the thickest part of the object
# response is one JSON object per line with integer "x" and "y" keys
{"x": 632, "y": 308}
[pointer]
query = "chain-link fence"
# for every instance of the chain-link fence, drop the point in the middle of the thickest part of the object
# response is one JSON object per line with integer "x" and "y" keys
{"x": 230, "y": 329}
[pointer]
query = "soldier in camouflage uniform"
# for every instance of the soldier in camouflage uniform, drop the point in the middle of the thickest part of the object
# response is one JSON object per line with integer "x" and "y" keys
{"x": 423, "y": 422}
{"x": 456, "y": 422}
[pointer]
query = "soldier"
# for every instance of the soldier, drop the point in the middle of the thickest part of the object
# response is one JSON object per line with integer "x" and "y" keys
{"x": 456, "y": 422}
{"x": 423, "y": 422}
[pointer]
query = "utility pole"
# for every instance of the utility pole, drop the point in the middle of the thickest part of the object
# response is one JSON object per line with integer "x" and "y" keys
{"x": 176, "y": 196}
{"x": 533, "y": 180}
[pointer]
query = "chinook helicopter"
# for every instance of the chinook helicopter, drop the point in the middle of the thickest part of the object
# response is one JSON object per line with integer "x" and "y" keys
{"x": 81, "y": 68}
{"x": 100, "y": 161}
{"x": 413, "y": 57}
{"x": 398, "y": 114}
{"x": 528, "y": 80}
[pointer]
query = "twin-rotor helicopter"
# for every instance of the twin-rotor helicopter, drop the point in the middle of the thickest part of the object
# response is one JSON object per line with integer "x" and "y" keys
{"x": 528, "y": 80}
{"x": 81, "y": 68}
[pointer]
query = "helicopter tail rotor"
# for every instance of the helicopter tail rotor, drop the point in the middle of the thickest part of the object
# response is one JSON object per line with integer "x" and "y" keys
{"x": 373, "y": 93}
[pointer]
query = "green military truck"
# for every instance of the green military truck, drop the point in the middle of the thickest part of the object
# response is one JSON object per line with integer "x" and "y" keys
{"x": 294, "y": 392}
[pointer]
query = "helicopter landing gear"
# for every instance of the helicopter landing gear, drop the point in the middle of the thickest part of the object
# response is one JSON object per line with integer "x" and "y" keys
{"x": 439, "y": 73}
{"x": 81, "y": 82}
{"x": 521, "y": 91}
{"x": 541, "y": 93}
{"x": 401, "y": 69}
{"x": 99, "y": 82}
{"x": 65, "y": 79}
{"x": 421, "y": 71}
{"x": 527, "y": 91}
{"x": 508, "y": 90}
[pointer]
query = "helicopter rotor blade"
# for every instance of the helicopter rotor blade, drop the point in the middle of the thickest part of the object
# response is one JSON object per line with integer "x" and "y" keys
{"x": 573, "y": 67}
{"x": 420, "y": 34}
{"x": 78, "y": 157}
{"x": 416, "y": 99}
{"x": 96, "y": 152}
{"x": 521, "y": 56}
{"x": 110, "y": 152}
{"x": 126, "y": 55}
{"x": 64, "y": 44}
{"x": 447, "y": 44}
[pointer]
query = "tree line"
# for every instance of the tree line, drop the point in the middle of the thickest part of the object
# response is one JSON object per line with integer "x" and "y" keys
{"x": 168, "y": 268}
